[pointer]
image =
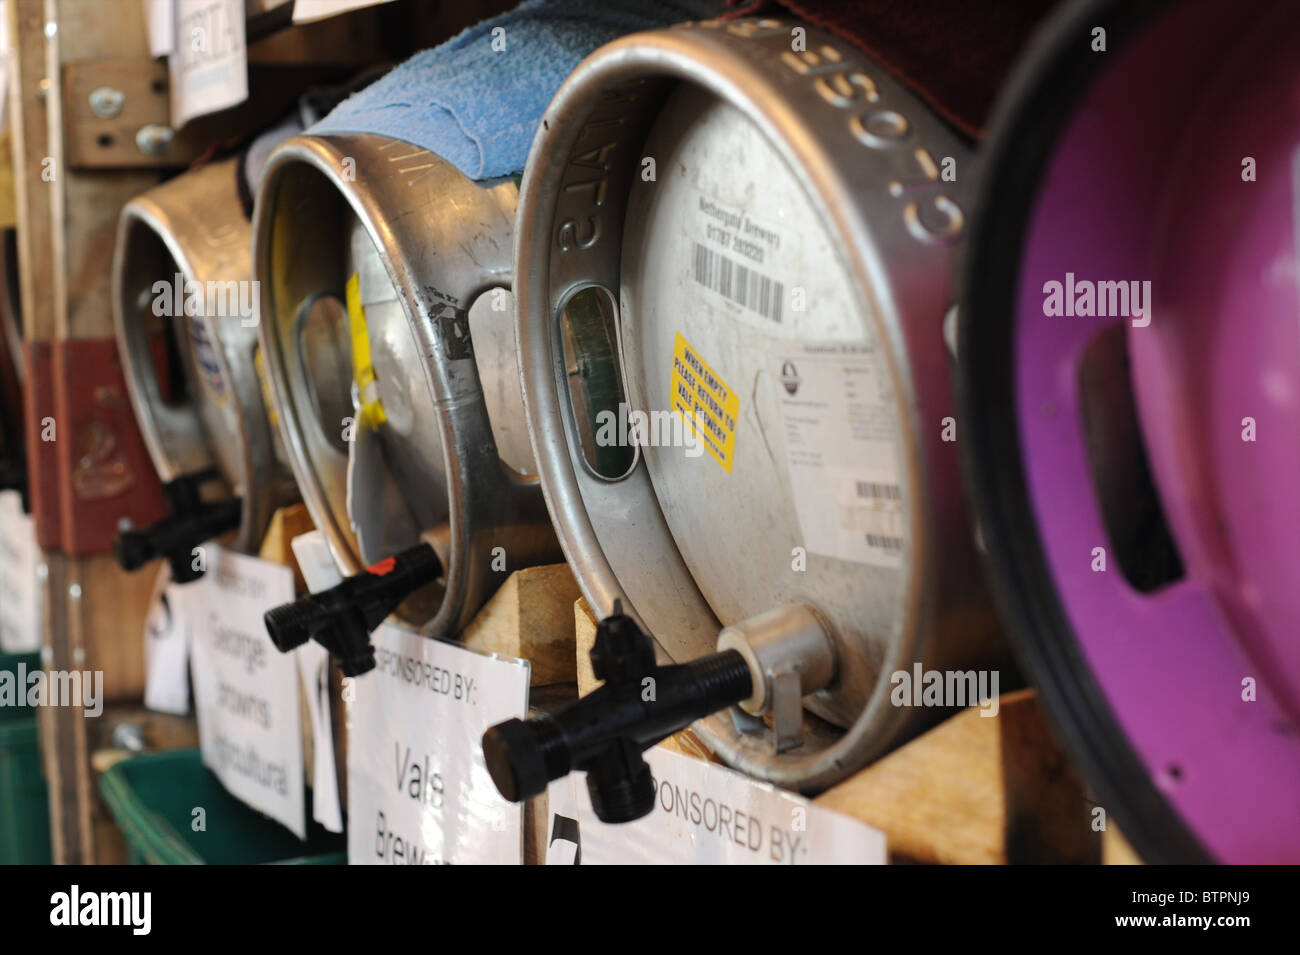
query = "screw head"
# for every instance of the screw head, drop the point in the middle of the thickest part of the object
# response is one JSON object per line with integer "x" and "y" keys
{"x": 154, "y": 138}
{"x": 106, "y": 101}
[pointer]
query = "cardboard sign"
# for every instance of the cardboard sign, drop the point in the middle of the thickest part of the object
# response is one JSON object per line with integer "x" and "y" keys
{"x": 706, "y": 814}
{"x": 419, "y": 792}
{"x": 208, "y": 62}
{"x": 246, "y": 691}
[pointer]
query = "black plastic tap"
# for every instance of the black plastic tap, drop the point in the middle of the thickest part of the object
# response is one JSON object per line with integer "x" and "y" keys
{"x": 191, "y": 522}
{"x": 342, "y": 618}
{"x": 605, "y": 733}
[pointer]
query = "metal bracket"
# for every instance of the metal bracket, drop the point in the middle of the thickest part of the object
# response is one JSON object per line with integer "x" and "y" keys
{"x": 787, "y": 709}
{"x": 106, "y": 103}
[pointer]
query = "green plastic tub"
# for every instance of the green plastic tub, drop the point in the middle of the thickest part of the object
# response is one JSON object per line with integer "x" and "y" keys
{"x": 153, "y": 797}
{"x": 24, "y": 799}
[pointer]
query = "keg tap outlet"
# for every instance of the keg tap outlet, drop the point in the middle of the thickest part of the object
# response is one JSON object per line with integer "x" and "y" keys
{"x": 642, "y": 703}
{"x": 342, "y": 618}
{"x": 191, "y": 522}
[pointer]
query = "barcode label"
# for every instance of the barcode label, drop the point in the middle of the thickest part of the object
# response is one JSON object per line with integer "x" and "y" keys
{"x": 879, "y": 492}
{"x": 892, "y": 544}
{"x": 740, "y": 284}
{"x": 881, "y": 522}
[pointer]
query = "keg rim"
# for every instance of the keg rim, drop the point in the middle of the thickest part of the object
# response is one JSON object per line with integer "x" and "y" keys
{"x": 478, "y": 496}
{"x": 149, "y": 214}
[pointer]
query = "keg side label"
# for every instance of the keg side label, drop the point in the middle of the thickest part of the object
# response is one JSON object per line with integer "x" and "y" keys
{"x": 838, "y": 429}
{"x": 735, "y": 256}
{"x": 706, "y": 403}
{"x": 363, "y": 370}
{"x": 205, "y": 360}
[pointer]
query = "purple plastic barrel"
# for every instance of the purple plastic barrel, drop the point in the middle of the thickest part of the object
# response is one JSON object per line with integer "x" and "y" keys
{"x": 1138, "y": 246}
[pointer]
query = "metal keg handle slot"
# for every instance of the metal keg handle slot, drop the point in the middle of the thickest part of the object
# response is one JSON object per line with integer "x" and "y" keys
{"x": 593, "y": 373}
{"x": 191, "y": 522}
{"x": 342, "y": 618}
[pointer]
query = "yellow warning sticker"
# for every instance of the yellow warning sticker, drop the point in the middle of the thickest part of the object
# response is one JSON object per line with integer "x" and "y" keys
{"x": 709, "y": 407}
{"x": 260, "y": 367}
{"x": 363, "y": 372}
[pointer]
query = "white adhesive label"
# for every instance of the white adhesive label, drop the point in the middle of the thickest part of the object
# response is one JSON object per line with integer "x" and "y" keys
{"x": 319, "y": 571}
{"x": 705, "y": 814}
{"x": 208, "y": 62}
{"x": 419, "y": 792}
{"x": 838, "y": 433}
{"x": 307, "y": 11}
{"x": 246, "y": 691}
{"x": 167, "y": 648}
{"x": 20, "y": 587}
{"x": 740, "y": 263}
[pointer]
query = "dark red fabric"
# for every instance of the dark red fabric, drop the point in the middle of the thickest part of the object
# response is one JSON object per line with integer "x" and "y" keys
{"x": 955, "y": 54}
{"x": 96, "y": 470}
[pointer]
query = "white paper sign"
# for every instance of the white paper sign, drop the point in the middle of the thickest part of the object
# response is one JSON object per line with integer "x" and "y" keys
{"x": 246, "y": 691}
{"x": 706, "y": 814}
{"x": 160, "y": 22}
{"x": 312, "y": 552}
{"x": 20, "y": 585}
{"x": 305, "y": 11}
{"x": 209, "y": 60}
{"x": 418, "y": 788}
{"x": 167, "y": 649}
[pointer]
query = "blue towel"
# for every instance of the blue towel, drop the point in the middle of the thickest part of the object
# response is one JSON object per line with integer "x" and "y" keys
{"x": 478, "y": 108}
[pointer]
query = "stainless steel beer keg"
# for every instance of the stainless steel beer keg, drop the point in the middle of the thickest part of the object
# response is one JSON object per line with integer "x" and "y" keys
{"x": 735, "y": 253}
{"x": 387, "y": 325}
{"x": 186, "y": 321}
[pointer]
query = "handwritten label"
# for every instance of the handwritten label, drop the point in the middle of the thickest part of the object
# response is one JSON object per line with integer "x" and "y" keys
{"x": 706, "y": 814}
{"x": 208, "y": 62}
{"x": 20, "y": 587}
{"x": 419, "y": 792}
{"x": 246, "y": 691}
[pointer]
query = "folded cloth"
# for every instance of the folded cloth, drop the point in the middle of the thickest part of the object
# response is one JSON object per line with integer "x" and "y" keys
{"x": 312, "y": 106}
{"x": 477, "y": 99}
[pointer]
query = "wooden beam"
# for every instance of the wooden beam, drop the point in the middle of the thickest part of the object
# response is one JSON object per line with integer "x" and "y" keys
{"x": 531, "y": 616}
{"x": 94, "y": 614}
{"x": 976, "y": 790}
